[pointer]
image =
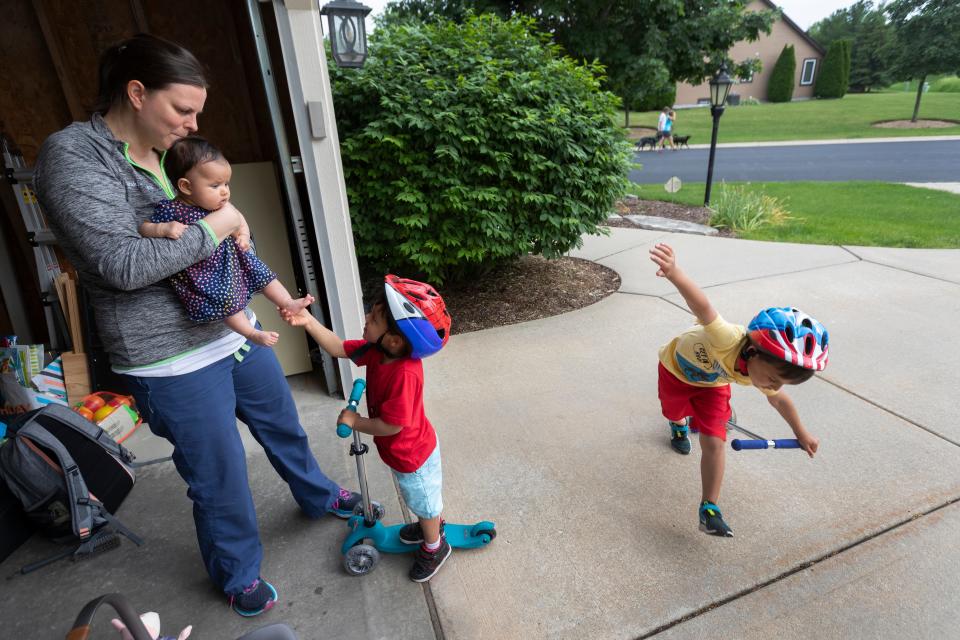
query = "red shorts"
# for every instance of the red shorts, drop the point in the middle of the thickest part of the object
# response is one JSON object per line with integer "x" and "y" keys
{"x": 708, "y": 406}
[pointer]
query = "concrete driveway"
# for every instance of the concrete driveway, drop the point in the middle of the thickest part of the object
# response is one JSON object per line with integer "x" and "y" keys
{"x": 552, "y": 429}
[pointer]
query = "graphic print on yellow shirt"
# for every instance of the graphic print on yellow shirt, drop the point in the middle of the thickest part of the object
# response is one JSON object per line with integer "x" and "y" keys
{"x": 706, "y": 356}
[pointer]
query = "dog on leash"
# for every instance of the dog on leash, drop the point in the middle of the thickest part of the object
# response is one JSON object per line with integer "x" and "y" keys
{"x": 650, "y": 141}
{"x": 682, "y": 141}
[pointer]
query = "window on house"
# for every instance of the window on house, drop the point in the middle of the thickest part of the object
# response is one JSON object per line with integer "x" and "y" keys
{"x": 809, "y": 67}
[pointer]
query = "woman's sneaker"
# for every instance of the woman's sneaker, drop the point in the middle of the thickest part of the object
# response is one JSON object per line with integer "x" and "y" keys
{"x": 345, "y": 503}
{"x": 413, "y": 534}
{"x": 678, "y": 437}
{"x": 255, "y": 599}
{"x": 427, "y": 563}
{"x": 711, "y": 521}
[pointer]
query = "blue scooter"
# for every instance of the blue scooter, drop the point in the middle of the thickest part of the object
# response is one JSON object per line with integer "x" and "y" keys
{"x": 360, "y": 558}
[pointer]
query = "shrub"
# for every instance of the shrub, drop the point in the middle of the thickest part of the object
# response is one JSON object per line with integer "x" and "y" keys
{"x": 946, "y": 85}
{"x": 659, "y": 98}
{"x": 738, "y": 209}
{"x": 465, "y": 145}
{"x": 780, "y": 88}
{"x": 846, "y": 67}
{"x": 830, "y": 80}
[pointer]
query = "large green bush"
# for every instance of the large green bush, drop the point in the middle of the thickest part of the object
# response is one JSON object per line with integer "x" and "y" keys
{"x": 780, "y": 87}
{"x": 467, "y": 145}
{"x": 830, "y": 80}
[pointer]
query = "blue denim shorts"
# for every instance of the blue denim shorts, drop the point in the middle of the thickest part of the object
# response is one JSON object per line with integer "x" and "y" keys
{"x": 421, "y": 489}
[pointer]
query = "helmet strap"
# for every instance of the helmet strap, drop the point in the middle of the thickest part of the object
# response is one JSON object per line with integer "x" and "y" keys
{"x": 382, "y": 349}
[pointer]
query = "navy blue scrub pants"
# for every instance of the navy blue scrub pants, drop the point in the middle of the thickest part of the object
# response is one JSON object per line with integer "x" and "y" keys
{"x": 197, "y": 413}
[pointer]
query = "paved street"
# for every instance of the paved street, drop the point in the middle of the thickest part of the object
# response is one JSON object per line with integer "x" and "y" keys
{"x": 928, "y": 161}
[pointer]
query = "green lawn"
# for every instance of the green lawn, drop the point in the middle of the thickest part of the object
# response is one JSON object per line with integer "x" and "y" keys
{"x": 848, "y": 117}
{"x": 852, "y": 213}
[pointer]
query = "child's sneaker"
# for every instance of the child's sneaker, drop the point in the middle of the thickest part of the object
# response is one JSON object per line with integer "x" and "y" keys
{"x": 345, "y": 503}
{"x": 255, "y": 599}
{"x": 678, "y": 437}
{"x": 413, "y": 534}
{"x": 427, "y": 563}
{"x": 711, "y": 521}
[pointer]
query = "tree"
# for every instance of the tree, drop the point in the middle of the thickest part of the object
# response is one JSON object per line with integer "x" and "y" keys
{"x": 871, "y": 57}
{"x": 645, "y": 45}
{"x": 845, "y": 47}
{"x": 870, "y": 39}
{"x": 465, "y": 145}
{"x": 830, "y": 80}
{"x": 780, "y": 88}
{"x": 928, "y": 40}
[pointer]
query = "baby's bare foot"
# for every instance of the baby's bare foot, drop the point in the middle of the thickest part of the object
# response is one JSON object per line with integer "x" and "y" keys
{"x": 297, "y": 304}
{"x": 264, "y": 338}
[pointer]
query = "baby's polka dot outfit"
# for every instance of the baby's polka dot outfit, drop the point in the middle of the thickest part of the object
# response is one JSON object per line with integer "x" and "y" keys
{"x": 221, "y": 285}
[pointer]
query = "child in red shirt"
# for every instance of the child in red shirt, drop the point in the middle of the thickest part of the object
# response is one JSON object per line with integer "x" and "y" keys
{"x": 408, "y": 322}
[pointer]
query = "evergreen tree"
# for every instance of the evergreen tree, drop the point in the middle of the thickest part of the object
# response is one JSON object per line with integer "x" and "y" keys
{"x": 783, "y": 76}
{"x": 830, "y": 81}
{"x": 872, "y": 54}
{"x": 846, "y": 66}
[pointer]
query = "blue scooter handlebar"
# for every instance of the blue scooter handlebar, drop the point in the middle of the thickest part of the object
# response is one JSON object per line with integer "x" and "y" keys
{"x": 353, "y": 402}
{"x": 789, "y": 443}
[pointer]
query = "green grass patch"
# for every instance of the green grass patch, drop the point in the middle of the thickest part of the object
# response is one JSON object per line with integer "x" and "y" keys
{"x": 853, "y": 213}
{"x": 845, "y": 118}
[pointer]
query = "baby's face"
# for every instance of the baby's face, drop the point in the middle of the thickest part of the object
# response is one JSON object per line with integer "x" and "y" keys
{"x": 210, "y": 184}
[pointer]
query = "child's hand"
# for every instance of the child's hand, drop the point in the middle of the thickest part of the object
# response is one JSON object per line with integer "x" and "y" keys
{"x": 808, "y": 443}
{"x": 347, "y": 417}
{"x": 172, "y": 230}
{"x": 662, "y": 255}
{"x": 242, "y": 240}
{"x": 298, "y": 319}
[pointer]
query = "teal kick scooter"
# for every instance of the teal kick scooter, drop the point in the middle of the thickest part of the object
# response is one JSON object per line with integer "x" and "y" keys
{"x": 368, "y": 537}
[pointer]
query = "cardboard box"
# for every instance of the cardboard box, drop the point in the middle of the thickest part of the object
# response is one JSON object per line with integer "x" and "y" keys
{"x": 76, "y": 374}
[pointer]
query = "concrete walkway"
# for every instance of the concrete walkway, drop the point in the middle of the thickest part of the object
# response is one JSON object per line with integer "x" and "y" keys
{"x": 552, "y": 429}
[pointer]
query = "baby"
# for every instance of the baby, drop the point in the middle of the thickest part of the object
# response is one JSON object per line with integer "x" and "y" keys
{"x": 219, "y": 287}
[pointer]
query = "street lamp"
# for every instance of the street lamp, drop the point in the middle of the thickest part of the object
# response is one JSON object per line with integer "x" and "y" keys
{"x": 720, "y": 85}
{"x": 348, "y": 35}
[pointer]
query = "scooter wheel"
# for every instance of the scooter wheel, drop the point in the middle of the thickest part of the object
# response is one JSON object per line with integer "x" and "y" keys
{"x": 361, "y": 559}
{"x": 490, "y": 533}
{"x": 378, "y": 510}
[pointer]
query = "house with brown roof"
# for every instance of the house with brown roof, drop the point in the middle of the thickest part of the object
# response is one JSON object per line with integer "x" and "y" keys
{"x": 767, "y": 49}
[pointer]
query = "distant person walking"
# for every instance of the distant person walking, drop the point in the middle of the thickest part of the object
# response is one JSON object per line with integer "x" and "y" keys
{"x": 662, "y": 126}
{"x": 667, "y": 136}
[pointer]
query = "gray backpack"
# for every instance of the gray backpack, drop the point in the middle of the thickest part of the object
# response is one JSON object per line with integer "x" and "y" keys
{"x": 69, "y": 475}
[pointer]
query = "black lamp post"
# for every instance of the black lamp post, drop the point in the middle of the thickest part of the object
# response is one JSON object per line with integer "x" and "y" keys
{"x": 719, "y": 89}
{"x": 348, "y": 34}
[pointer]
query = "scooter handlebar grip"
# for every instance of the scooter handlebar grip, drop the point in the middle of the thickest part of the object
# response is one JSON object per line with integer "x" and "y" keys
{"x": 739, "y": 445}
{"x": 789, "y": 443}
{"x": 357, "y": 392}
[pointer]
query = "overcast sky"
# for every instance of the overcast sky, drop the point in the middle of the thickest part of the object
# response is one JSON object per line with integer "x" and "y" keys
{"x": 803, "y": 12}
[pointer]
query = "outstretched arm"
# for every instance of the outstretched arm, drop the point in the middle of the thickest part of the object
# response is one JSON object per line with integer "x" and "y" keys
{"x": 784, "y": 406}
{"x": 328, "y": 340}
{"x": 697, "y": 301}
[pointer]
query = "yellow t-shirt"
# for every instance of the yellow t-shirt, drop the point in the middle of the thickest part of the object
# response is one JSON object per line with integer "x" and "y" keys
{"x": 706, "y": 356}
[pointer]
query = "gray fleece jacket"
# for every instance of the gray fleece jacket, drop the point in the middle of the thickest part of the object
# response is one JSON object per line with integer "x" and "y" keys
{"x": 95, "y": 200}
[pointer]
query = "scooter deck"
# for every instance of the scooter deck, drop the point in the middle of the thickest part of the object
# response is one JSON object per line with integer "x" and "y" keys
{"x": 387, "y": 539}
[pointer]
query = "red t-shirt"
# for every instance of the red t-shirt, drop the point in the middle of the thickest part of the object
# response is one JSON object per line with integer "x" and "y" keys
{"x": 395, "y": 395}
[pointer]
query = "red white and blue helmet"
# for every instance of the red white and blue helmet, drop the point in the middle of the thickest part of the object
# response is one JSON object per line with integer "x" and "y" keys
{"x": 419, "y": 313}
{"x": 790, "y": 334}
